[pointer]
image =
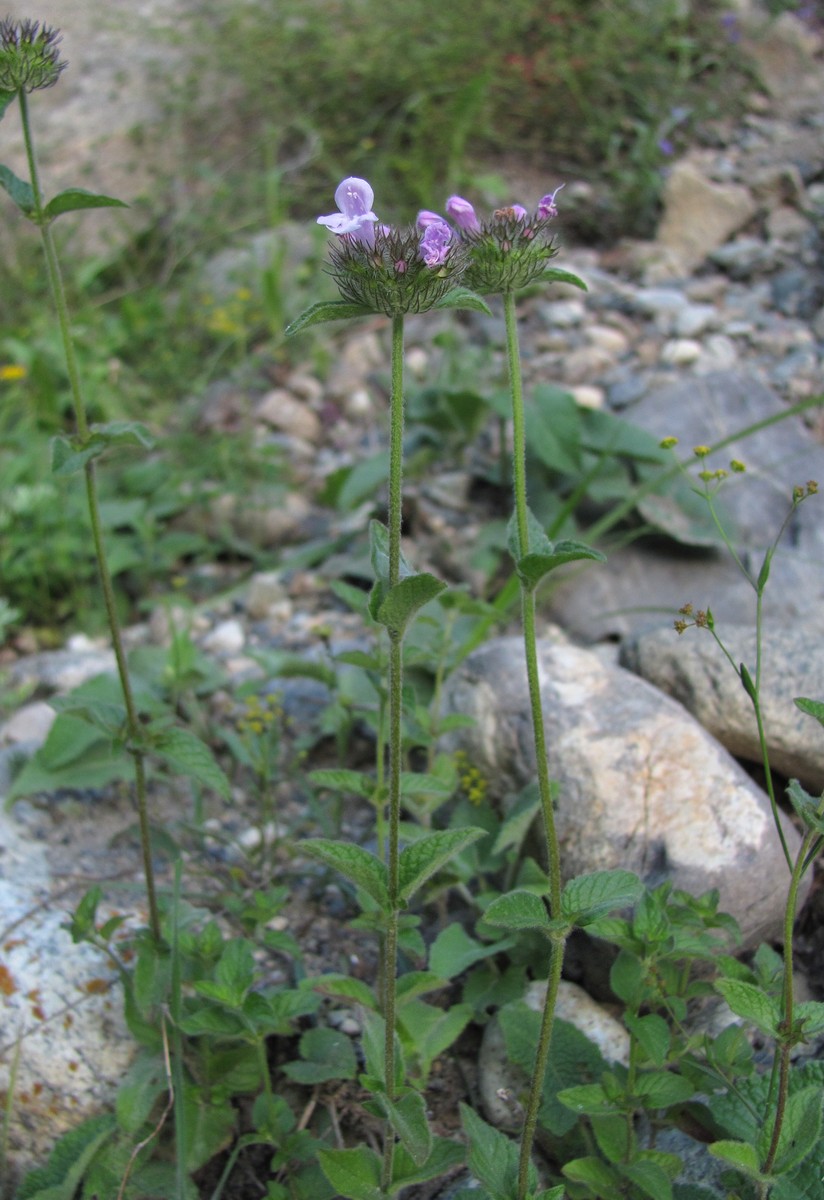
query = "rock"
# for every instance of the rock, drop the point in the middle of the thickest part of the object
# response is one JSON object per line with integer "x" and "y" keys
{"x": 680, "y": 352}
{"x": 60, "y": 1000}
{"x": 280, "y": 409}
{"x": 642, "y": 785}
{"x": 785, "y": 51}
{"x": 30, "y": 724}
{"x": 498, "y": 1077}
{"x": 122, "y": 62}
{"x": 266, "y": 591}
{"x": 693, "y": 669}
{"x": 642, "y": 586}
{"x": 227, "y": 637}
{"x": 62, "y": 670}
{"x": 700, "y": 215}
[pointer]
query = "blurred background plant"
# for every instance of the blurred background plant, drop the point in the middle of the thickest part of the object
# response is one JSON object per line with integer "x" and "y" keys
{"x": 280, "y": 100}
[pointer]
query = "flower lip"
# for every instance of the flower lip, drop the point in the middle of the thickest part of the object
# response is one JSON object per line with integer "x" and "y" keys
{"x": 354, "y": 198}
{"x": 463, "y": 214}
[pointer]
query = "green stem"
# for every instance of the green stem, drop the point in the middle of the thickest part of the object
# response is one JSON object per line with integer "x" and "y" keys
{"x": 556, "y": 962}
{"x": 553, "y": 854}
{"x": 788, "y": 999}
{"x": 390, "y": 947}
{"x": 132, "y": 722}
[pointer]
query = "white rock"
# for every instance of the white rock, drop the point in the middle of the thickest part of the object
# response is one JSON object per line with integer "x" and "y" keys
{"x": 680, "y": 352}
{"x": 227, "y": 637}
{"x": 694, "y": 319}
{"x": 700, "y": 215}
{"x": 642, "y": 785}
{"x": 588, "y": 396}
{"x": 266, "y": 589}
{"x": 285, "y": 412}
{"x": 31, "y": 723}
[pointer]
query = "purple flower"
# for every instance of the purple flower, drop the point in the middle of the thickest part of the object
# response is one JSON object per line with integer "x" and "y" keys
{"x": 354, "y": 198}
{"x": 435, "y": 243}
{"x": 546, "y": 205}
{"x": 666, "y": 147}
{"x": 426, "y": 218}
{"x": 463, "y": 214}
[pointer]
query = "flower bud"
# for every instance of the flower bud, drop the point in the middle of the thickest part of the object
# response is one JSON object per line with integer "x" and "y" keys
{"x": 29, "y": 58}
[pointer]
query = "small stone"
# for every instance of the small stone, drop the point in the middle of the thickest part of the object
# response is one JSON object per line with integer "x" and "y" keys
{"x": 699, "y": 214}
{"x": 680, "y": 352}
{"x": 588, "y": 396}
{"x": 417, "y": 362}
{"x": 281, "y": 410}
{"x": 266, "y": 589}
{"x": 563, "y": 313}
{"x": 718, "y": 354}
{"x": 228, "y": 637}
{"x": 587, "y": 361}
{"x": 694, "y": 319}
{"x": 31, "y": 723}
{"x": 613, "y": 341}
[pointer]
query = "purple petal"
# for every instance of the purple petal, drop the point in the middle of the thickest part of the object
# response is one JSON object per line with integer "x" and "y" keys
{"x": 426, "y": 218}
{"x": 434, "y": 247}
{"x": 546, "y": 205}
{"x": 463, "y": 214}
{"x": 354, "y": 197}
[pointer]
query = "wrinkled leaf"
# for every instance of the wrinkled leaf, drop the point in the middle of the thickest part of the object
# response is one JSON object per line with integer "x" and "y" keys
{"x": 74, "y": 199}
{"x": 327, "y": 310}
{"x": 19, "y": 191}
{"x": 428, "y": 854}
{"x": 361, "y": 866}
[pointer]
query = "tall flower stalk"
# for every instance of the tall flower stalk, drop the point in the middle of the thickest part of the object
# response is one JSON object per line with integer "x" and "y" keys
{"x": 29, "y": 61}
{"x": 380, "y": 269}
{"x": 506, "y": 253}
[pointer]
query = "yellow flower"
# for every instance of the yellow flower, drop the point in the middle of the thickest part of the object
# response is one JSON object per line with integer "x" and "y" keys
{"x": 11, "y": 372}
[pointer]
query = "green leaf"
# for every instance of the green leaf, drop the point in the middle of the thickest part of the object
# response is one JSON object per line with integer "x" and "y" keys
{"x": 454, "y": 951}
{"x": 407, "y": 1117}
{"x": 347, "y": 987}
{"x": 100, "y": 714}
{"x": 589, "y": 1098}
{"x": 236, "y": 967}
{"x": 327, "y": 310}
{"x": 426, "y": 1031}
{"x": 806, "y": 806}
{"x": 74, "y": 199}
{"x": 590, "y": 896}
{"x": 652, "y": 1034}
{"x": 801, "y": 1129}
{"x": 418, "y": 983}
{"x": 615, "y": 1138}
{"x": 70, "y": 455}
{"x": 325, "y": 1054}
{"x": 428, "y": 854}
{"x": 493, "y": 1157}
{"x": 5, "y": 100}
{"x": 650, "y": 1178}
{"x": 339, "y": 780}
{"x": 209, "y": 1126}
{"x": 417, "y": 783}
{"x": 361, "y": 866}
{"x": 533, "y": 567}
{"x": 144, "y": 1082}
{"x": 740, "y": 1155}
{"x": 464, "y": 298}
{"x": 810, "y": 1016}
{"x": 68, "y": 1161}
{"x": 400, "y": 603}
{"x": 445, "y": 1155}
{"x": 518, "y": 910}
{"x": 660, "y": 1089}
{"x": 750, "y": 1002}
{"x": 626, "y": 978}
{"x": 813, "y": 708}
{"x": 556, "y": 275}
{"x": 189, "y": 756}
{"x": 19, "y": 191}
{"x": 602, "y": 1178}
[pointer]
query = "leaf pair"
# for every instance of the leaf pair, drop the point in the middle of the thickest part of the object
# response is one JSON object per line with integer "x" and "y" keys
{"x": 583, "y": 900}
{"x": 541, "y": 556}
{"x": 71, "y": 200}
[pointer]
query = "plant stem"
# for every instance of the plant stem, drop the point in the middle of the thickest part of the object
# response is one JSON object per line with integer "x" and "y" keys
{"x": 556, "y": 963}
{"x": 132, "y": 722}
{"x": 536, "y": 709}
{"x": 788, "y": 1000}
{"x": 390, "y": 948}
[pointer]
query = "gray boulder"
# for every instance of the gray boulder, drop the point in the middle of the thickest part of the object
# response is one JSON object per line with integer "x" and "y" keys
{"x": 694, "y": 670}
{"x": 642, "y": 785}
{"x": 643, "y": 585}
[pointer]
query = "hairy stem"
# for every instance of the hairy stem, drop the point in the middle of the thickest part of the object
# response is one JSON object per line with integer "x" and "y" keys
{"x": 390, "y": 948}
{"x": 536, "y": 709}
{"x": 133, "y": 728}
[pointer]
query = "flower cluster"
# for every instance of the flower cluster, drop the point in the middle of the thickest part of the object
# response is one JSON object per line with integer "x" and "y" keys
{"x": 508, "y": 251}
{"x": 29, "y": 58}
{"x": 387, "y": 270}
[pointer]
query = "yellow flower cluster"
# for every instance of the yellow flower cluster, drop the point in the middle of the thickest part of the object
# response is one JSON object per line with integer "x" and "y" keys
{"x": 260, "y": 714}
{"x": 472, "y": 783}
